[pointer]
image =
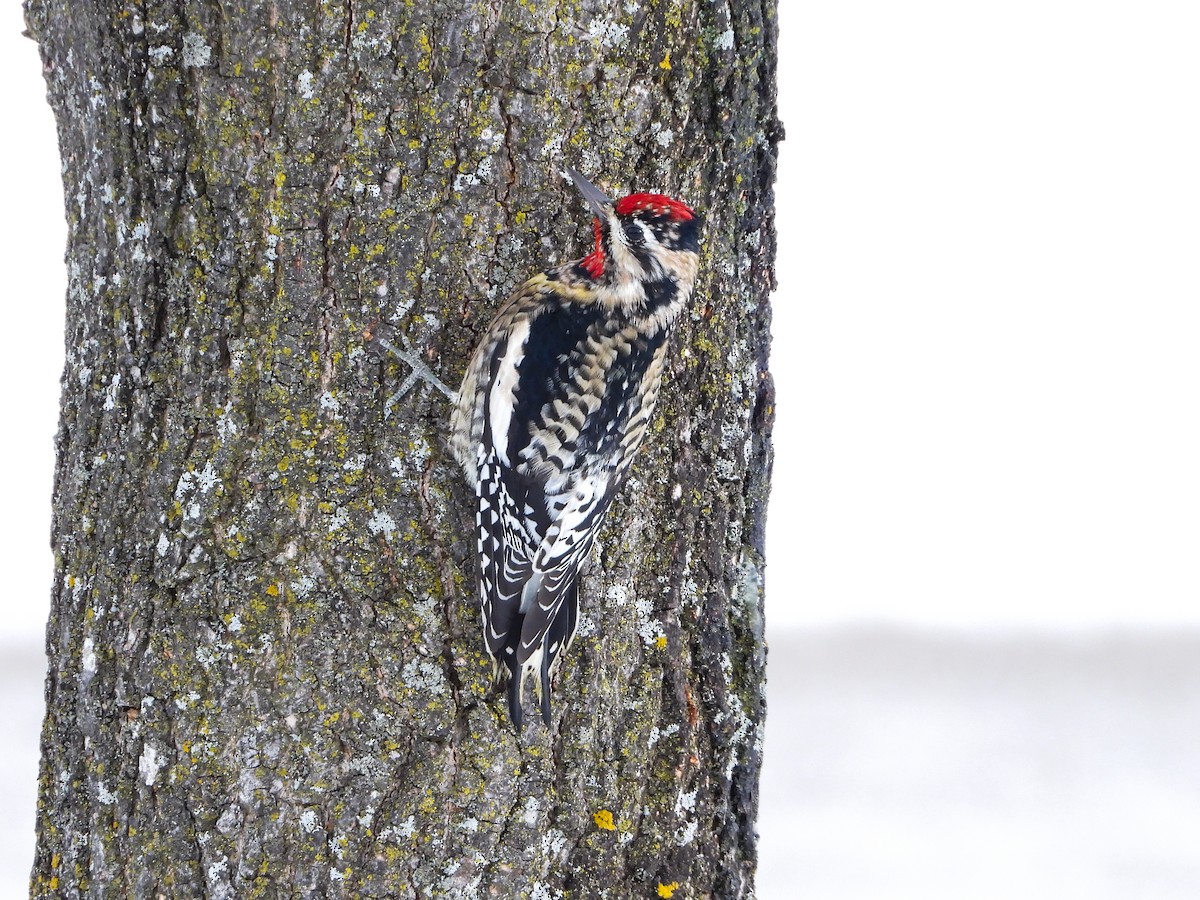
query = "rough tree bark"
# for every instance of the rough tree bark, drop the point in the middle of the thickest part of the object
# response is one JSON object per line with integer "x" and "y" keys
{"x": 266, "y": 674}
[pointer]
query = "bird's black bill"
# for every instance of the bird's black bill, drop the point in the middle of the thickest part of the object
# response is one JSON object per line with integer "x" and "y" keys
{"x": 593, "y": 195}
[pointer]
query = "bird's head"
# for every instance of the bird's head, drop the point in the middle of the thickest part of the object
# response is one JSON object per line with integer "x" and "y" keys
{"x": 641, "y": 238}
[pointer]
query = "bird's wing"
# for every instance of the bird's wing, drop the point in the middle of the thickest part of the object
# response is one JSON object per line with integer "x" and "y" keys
{"x": 549, "y": 603}
{"x": 591, "y": 416}
{"x": 506, "y": 550}
{"x": 556, "y": 402}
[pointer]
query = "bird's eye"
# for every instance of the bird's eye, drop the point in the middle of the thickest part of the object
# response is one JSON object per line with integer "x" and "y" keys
{"x": 634, "y": 236}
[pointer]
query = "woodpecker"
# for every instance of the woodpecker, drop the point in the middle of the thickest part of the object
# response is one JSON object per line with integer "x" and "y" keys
{"x": 552, "y": 409}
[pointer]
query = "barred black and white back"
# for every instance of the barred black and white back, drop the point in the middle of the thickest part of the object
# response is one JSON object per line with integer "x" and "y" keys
{"x": 552, "y": 409}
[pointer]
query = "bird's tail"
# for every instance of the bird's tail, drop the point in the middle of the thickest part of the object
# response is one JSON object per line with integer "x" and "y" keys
{"x": 542, "y": 663}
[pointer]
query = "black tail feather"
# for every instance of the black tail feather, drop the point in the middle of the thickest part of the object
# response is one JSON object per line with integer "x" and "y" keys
{"x": 545, "y": 691}
{"x": 557, "y": 639}
{"x": 514, "y": 699}
{"x": 562, "y": 629}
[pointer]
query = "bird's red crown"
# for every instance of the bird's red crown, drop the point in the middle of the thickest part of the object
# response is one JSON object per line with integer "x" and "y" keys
{"x": 658, "y": 204}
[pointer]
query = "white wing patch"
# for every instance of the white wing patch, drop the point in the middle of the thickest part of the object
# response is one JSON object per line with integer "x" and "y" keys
{"x": 502, "y": 399}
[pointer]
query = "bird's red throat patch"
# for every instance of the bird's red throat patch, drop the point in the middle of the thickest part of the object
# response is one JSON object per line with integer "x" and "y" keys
{"x": 593, "y": 263}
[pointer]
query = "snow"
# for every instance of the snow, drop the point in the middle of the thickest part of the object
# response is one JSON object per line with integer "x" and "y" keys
{"x": 904, "y": 764}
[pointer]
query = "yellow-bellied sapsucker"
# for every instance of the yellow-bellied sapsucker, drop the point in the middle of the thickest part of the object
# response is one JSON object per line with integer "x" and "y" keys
{"x": 553, "y": 406}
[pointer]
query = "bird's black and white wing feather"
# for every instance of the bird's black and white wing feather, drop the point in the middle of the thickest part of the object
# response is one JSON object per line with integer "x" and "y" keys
{"x": 553, "y": 407}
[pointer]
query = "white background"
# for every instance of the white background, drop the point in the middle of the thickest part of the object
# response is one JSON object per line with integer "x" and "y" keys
{"x": 987, "y": 325}
{"x": 985, "y": 336}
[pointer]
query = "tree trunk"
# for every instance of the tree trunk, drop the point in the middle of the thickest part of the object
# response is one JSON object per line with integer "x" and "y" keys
{"x": 267, "y": 675}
